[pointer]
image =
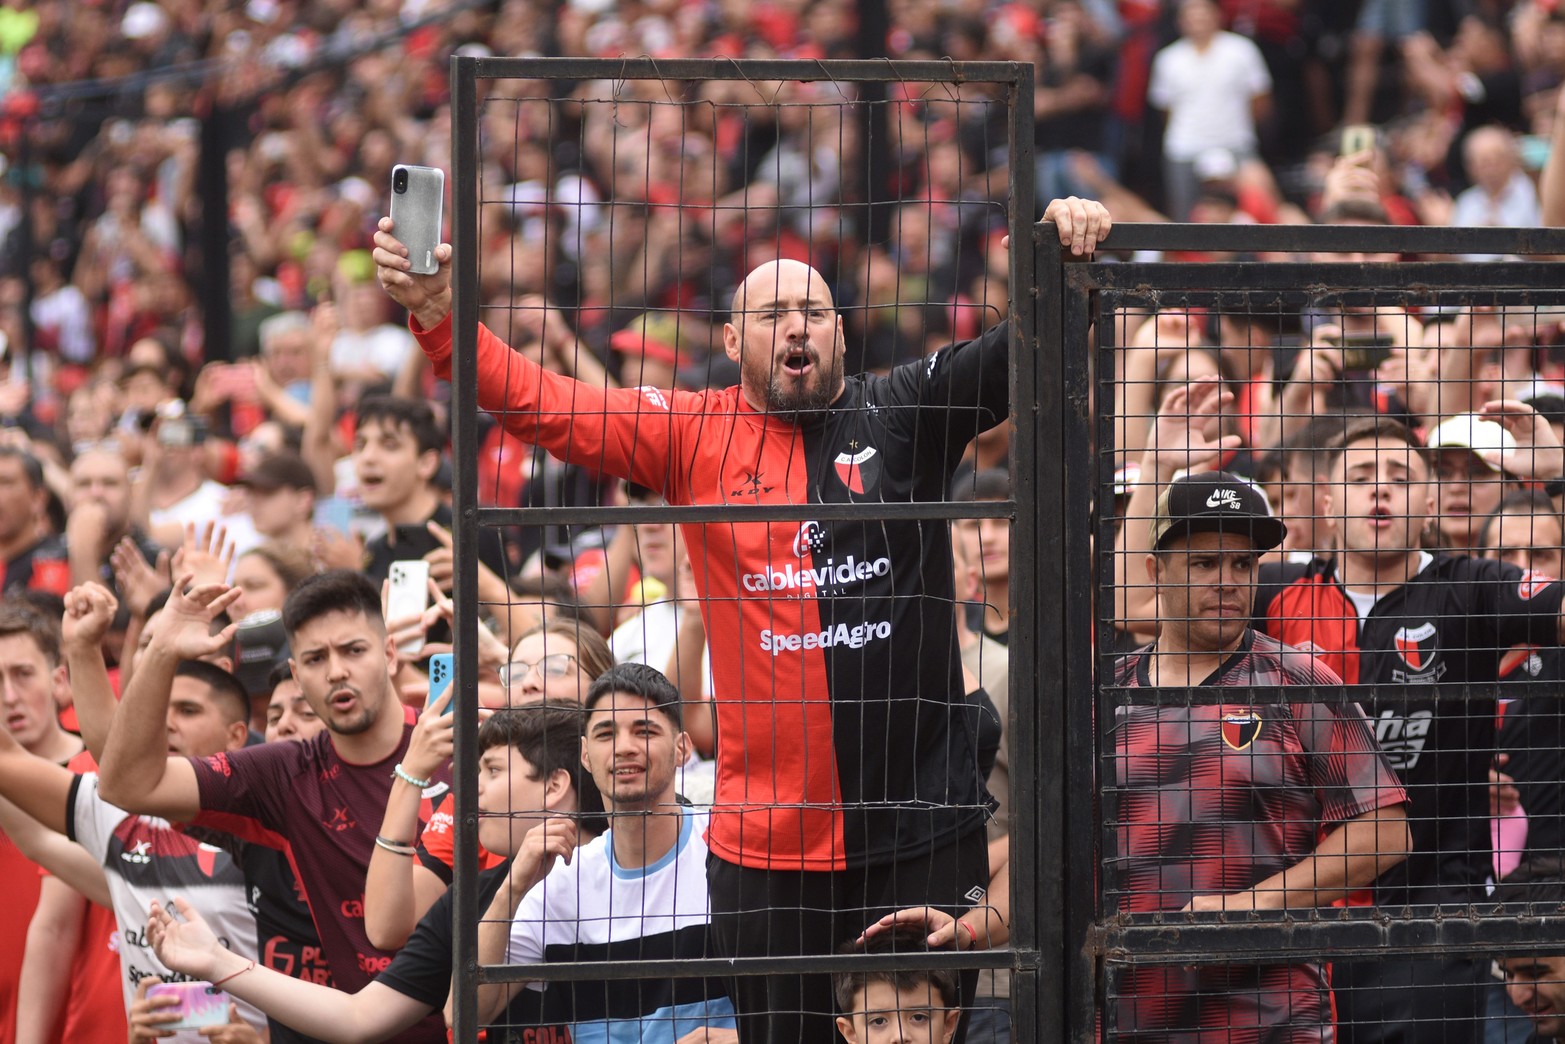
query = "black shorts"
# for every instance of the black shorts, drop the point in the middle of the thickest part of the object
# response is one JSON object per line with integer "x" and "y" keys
{"x": 773, "y": 913}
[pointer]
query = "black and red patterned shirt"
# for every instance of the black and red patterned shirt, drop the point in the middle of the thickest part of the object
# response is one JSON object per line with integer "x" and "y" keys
{"x": 1214, "y": 798}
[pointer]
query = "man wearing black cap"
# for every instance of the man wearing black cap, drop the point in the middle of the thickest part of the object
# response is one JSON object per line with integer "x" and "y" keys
{"x": 282, "y": 490}
{"x": 1242, "y": 804}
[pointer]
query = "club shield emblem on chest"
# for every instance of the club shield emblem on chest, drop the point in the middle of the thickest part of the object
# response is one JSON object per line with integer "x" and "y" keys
{"x": 1240, "y": 729}
{"x": 858, "y": 468}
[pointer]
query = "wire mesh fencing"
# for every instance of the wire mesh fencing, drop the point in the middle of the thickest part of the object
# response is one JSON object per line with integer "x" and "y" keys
{"x": 732, "y": 380}
{"x": 1327, "y": 730}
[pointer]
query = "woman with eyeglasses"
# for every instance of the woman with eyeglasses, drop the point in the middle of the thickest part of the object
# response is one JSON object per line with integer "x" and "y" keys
{"x": 554, "y": 662}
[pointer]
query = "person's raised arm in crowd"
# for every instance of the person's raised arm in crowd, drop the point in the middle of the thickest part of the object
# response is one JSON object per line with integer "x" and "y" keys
{"x": 1551, "y": 184}
{"x": 89, "y": 613}
{"x": 398, "y": 891}
{"x": 137, "y": 774}
{"x": 319, "y": 446}
{"x": 34, "y": 793}
{"x": 1185, "y": 436}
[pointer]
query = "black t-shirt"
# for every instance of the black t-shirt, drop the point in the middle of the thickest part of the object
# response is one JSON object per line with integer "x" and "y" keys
{"x": 416, "y": 542}
{"x": 1453, "y": 622}
{"x": 1532, "y": 732}
{"x": 422, "y": 969}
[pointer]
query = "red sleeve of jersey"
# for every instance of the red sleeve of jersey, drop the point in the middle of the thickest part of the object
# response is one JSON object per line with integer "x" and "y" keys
{"x": 438, "y": 842}
{"x": 627, "y": 432}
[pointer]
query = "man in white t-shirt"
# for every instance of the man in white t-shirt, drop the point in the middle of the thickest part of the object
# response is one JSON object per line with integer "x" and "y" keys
{"x": 1215, "y": 88}
{"x": 179, "y": 492}
{"x": 638, "y": 890}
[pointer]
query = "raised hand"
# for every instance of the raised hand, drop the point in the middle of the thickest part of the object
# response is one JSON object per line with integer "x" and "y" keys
{"x": 138, "y": 582}
{"x": 334, "y": 549}
{"x": 433, "y": 740}
{"x": 207, "y": 556}
{"x": 428, "y": 297}
{"x": 186, "y": 945}
{"x": 89, "y": 612}
{"x": 442, "y": 564}
{"x": 1187, "y": 433}
{"x": 1538, "y": 453}
{"x": 185, "y": 624}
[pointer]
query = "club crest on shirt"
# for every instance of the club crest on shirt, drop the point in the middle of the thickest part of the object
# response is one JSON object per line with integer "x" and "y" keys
{"x": 1419, "y": 650}
{"x": 859, "y": 470}
{"x": 1241, "y": 729}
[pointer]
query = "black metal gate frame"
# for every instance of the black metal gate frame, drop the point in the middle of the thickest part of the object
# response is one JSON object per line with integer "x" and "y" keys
{"x": 1033, "y": 376}
{"x": 1072, "y": 297}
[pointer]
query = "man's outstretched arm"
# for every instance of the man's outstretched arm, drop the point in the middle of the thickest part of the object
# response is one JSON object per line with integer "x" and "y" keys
{"x": 137, "y": 774}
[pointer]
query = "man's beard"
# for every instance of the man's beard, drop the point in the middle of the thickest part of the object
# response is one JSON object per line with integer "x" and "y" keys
{"x": 787, "y": 400}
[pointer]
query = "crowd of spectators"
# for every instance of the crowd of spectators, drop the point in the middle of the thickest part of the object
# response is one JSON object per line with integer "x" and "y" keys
{"x": 618, "y": 218}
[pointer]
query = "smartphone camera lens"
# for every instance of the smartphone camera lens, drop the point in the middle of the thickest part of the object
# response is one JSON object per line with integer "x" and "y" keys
{"x": 399, "y": 181}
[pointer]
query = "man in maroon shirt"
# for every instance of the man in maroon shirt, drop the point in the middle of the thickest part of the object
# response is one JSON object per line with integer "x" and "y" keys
{"x": 322, "y": 798}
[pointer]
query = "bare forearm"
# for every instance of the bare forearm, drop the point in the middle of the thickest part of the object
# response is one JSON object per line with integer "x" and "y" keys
{"x": 389, "y": 917}
{"x": 46, "y": 961}
{"x": 1551, "y": 187}
{"x": 1135, "y": 600}
{"x": 372, "y": 1014}
{"x": 1348, "y": 858}
{"x": 94, "y": 695}
{"x": 990, "y": 922}
{"x": 134, "y": 754}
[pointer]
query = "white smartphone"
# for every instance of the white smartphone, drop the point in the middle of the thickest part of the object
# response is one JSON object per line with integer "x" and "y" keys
{"x": 417, "y": 208}
{"x": 408, "y": 596}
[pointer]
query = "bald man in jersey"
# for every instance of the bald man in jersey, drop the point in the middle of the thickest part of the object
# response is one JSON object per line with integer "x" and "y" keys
{"x": 848, "y": 783}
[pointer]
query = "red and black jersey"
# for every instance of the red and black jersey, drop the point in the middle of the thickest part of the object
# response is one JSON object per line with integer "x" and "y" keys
{"x": 42, "y": 567}
{"x": 1453, "y": 622}
{"x": 844, "y": 735}
{"x": 1215, "y": 798}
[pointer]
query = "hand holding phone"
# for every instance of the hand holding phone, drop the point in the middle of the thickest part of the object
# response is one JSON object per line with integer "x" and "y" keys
{"x": 200, "y": 1005}
{"x": 1357, "y": 138}
{"x": 417, "y": 202}
{"x": 441, "y": 673}
{"x": 408, "y": 596}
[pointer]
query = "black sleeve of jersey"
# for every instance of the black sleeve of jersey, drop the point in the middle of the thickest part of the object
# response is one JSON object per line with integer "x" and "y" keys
{"x": 70, "y": 806}
{"x": 1524, "y": 607}
{"x": 961, "y": 391}
{"x": 433, "y": 864}
{"x": 422, "y": 969}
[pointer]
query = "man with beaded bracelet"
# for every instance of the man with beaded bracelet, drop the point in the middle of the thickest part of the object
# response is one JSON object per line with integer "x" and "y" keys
{"x": 322, "y": 798}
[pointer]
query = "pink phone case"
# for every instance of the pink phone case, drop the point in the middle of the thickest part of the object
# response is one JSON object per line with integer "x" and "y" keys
{"x": 199, "y": 1004}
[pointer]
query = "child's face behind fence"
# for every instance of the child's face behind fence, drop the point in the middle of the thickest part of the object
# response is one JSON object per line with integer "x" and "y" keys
{"x": 883, "y": 1014}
